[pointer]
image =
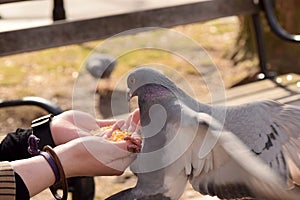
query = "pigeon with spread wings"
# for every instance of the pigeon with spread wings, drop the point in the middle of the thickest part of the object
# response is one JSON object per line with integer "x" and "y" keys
{"x": 246, "y": 151}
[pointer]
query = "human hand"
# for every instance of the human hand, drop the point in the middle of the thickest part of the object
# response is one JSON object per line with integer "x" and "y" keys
{"x": 82, "y": 156}
{"x": 130, "y": 125}
{"x": 85, "y": 156}
{"x": 73, "y": 124}
{"x": 94, "y": 156}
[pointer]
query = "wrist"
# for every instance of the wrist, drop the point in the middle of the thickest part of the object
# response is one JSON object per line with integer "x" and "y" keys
{"x": 70, "y": 158}
{"x": 41, "y": 129}
{"x": 75, "y": 159}
{"x": 72, "y": 155}
{"x": 35, "y": 172}
{"x": 63, "y": 130}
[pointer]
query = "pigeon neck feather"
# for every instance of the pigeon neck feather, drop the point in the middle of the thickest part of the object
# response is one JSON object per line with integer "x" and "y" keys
{"x": 151, "y": 91}
{"x": 191, "y": 102}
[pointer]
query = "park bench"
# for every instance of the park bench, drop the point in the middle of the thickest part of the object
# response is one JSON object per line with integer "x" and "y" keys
{"x": 65, "y": 32}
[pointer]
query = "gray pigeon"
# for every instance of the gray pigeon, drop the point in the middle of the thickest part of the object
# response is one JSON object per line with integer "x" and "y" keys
{"x": 100, "y": 65}
{"x": 246, "y": 151}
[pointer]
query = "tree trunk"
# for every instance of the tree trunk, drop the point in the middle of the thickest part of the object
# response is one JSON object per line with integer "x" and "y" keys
{"x": 282, "y": 56}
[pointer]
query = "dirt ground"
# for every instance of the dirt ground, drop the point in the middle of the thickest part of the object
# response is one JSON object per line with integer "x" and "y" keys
{"x": 216, "y": 41}
{"x": 106, "y": 186}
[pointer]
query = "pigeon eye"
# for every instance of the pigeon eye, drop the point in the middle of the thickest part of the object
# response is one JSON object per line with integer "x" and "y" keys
{"x": 132, "y": 80}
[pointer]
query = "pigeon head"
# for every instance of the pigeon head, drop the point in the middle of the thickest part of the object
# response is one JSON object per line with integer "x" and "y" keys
{"x": 152, "y": 88}
{"x": 150, "y": 84}
{"x": 140, "y": 80}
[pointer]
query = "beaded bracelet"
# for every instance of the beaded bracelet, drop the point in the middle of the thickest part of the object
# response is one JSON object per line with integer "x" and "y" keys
{"x": 62, "y": 175}
{"x": 49, "y": 154}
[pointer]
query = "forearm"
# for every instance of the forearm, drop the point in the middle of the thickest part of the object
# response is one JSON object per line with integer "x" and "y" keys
{"x": 75, "y": 159}
{"x": 82, "y": 161}
{"x": 35, "y": 172}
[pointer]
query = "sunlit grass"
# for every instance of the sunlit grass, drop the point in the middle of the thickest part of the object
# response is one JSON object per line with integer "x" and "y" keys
{"x": 51, "y": 73}
{"x": 63, "y": 61}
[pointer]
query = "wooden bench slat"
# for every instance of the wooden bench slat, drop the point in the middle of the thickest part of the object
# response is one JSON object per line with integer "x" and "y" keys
{"x": 66, "y": 33}
{"x": 288, "y": 92}
{"x": 11, "y": 1}
{"x": 288, "y": 95}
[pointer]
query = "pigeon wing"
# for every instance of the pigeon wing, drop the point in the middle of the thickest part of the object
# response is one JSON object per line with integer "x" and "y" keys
{"x": 285, "y": 125}
{"x": 271, "y": 131}
{"x": 231, "y": 170}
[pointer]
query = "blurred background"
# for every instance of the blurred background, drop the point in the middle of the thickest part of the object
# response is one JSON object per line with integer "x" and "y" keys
{"x": 51, "y": 73}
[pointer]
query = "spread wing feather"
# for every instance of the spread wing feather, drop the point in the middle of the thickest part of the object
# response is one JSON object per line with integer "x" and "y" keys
{"x": 231, "y": 169}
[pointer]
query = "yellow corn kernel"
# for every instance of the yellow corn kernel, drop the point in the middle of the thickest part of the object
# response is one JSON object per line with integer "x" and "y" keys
{"x": 117, "y": 135}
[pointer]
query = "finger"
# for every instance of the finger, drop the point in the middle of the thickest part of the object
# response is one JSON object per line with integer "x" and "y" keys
{"x": 137, "y": 130}
{"x": 132, "y": 126}
{"x": 134, "y": 148}
{"x": 135, "y": 141}
{"x": 99, "y": 133}
{"x": 136, "y": 133}
{"x": 125, "y": 147}
{"x": 134, "y": 121}
{"x": 103, "y": 123}
{"x": 115, "y": 150}
{"x": 136, "y": 116}
{"x": 134, "y": 144}
{"x": 119, "y": 124}
{"x": 127, "y": 123}
{"x": 116, "y": 126}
